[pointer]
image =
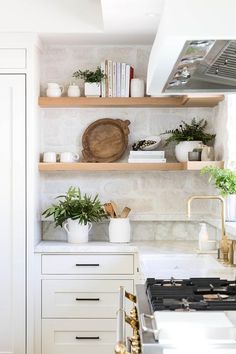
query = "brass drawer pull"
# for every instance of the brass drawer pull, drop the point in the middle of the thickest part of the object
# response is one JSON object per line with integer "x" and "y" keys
{"x": 87, "y": 265}
{"x": 87, "y": 337}
{"x": 87, "y": 299}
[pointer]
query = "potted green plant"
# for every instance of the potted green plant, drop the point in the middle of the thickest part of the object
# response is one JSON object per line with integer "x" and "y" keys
{"x": 75, "y": 212}
{"x": 225, "y": 182}
{"x": 188, "y": 137}
{"x": 92, "y": 81}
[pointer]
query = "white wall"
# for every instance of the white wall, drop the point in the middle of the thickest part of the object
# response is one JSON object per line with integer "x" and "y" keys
{"x": 145, "y": 192}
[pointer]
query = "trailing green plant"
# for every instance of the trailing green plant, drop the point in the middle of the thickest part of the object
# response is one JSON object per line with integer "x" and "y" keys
{"x": 195, "y": 131}
{"x": 90, "y": 76}
{"x": 73, "y": 205}
{"x": 224, "y": 179}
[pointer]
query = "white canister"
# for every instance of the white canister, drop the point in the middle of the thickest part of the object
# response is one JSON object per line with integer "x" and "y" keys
{"x": 119, "y": 230}
{"x": 68, "y": 156}
{"x": 49, "y": 157}
{"x": 76, "y": 232}
{"x": 137, "y": 88}
{"x": 54, "y": 90}
{"x": 73, "y": 91}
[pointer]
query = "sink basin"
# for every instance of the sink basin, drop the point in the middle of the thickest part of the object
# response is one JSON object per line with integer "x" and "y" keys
{"x": 183, "y": 266}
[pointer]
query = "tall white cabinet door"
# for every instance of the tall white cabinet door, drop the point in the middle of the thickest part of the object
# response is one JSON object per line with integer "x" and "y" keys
{"x": 12, "y": 214}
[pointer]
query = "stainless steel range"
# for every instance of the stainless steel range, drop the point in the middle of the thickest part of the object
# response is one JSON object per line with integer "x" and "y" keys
{"x": 180, "y": 316}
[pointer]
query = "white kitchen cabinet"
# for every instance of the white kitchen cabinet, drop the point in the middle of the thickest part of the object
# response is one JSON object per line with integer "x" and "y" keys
{"x": 76, "y": 312}
{"x": 12, "y": 211}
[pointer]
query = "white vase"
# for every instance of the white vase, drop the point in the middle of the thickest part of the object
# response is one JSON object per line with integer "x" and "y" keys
{"x": 230, "y": 206}
{"x": 76, "y": 232}
{"x": 183, "y": 148}
{"x": 92, "y": 89}
{"x": 119, "y": 230}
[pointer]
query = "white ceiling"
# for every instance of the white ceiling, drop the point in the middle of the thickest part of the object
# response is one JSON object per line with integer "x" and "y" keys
{"x": 84, "y": 21}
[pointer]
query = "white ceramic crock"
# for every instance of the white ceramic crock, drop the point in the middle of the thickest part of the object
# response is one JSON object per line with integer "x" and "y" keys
{"x": 92, "y": 89}
{"x": 119, "y": 230}
{"x": 183, "y": 148}
{"x": 76, "y": 232}
{"x": 230, "y": 206}
{"x": 137, "y": 88}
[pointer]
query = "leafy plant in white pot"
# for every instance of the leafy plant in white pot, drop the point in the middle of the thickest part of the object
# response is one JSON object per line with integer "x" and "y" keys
{"x": 92, "y": 81}
{"x": 225, "y": 182}
{"x": 188, "y": 137}
{"x": 75, "y": 213}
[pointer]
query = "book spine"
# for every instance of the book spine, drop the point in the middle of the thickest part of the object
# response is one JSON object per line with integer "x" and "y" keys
{"x": 109, "y": 78}
{"x": 127, "y": 80}
{"x": 118, "y": 79}
{"x": 104, "y": 80}
{"x": 123, "y": 67}
{"x": 114, "y": 94}
{"x": 131, "y": 160}
{"x": 131, "y": 77}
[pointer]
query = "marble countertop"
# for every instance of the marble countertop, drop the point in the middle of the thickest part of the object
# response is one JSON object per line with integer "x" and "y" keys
{"x": 158, "y": 259}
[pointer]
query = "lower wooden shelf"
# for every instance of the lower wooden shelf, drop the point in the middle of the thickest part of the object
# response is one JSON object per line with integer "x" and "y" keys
{"x": 124, "y": 166}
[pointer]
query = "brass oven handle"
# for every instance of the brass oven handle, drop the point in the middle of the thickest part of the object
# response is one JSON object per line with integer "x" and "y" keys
{"x": 148, "y": 329}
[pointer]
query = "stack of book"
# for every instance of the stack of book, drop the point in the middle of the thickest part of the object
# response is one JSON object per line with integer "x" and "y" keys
{"x": 147, "y": 157}
{"x": 118, "y": 77}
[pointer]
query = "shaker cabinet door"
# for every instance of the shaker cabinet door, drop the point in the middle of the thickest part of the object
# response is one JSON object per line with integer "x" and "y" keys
{"x": 12, "y": 214}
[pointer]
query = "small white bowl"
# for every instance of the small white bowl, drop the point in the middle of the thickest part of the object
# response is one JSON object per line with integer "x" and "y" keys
{"x": 157, "y": 140}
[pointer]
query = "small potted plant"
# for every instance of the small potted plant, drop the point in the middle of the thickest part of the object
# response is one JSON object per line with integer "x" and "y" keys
{"x": 92, "y": 81}
{"x": 75, "y": 213}
{"x": 225, "y": 182}
{"x": 188, "y": 137}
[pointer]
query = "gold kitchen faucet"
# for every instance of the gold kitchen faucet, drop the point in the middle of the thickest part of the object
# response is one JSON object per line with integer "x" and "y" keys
{"x": 226, "y": 250}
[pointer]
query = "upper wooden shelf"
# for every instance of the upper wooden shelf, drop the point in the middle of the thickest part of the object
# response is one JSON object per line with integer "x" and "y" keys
{"x": 124, "y": 166}
{"x": 162, "y": 101}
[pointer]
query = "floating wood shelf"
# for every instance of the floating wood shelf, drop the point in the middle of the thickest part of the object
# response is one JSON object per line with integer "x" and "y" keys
{"x": 162, "y": 101}
{"x": 124, "y": 166}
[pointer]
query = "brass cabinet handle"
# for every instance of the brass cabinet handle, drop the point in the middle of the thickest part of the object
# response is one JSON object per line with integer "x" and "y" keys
{"x": 87, "y": 299}
{"x": 87, "y": 337}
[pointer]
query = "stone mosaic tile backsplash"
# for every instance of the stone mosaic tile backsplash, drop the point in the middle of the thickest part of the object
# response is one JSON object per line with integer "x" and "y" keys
{"x": 143, "y": 192}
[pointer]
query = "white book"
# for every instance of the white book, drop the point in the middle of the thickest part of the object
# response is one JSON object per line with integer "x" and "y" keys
{"x": 141, "y": 153}
{"x": 118, "y": 79}
{"x": 131, "y": 160}
{"x": 103, "y": 68}
{"x": 110, "y": 78}
{"x": 114, "y": 79}
{"x": 123, "y": 73}
{"x": 127, "y": 80}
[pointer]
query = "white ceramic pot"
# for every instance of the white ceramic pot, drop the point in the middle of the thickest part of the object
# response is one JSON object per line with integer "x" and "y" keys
{"x": 73, "y": 91}
{"x": 119, "y": 230}
{"x": 76, "y": 232}
{"x": 54, "y": 90}
{"x": 230, "y": 206}
{"x": 183, "y": 148}
{"x": 92, "y": 89}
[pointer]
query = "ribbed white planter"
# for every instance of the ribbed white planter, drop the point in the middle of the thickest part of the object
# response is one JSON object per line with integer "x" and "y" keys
{"x": 230, "y": 206}
{"x": 183, "y": 148}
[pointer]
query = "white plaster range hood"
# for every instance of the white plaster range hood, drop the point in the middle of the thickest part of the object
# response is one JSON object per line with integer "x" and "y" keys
{"x": 195, "y": 48}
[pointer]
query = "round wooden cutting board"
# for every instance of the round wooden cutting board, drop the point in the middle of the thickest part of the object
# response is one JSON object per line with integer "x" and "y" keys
{"x": 105, "y": 140}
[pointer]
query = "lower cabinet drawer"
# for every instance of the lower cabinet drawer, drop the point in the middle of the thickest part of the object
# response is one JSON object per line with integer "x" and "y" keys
{"x": 93, "y": 298}
{"x": 88, "y": 264}
{"x": 78, "y": 336}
